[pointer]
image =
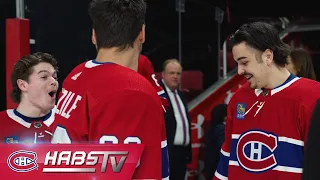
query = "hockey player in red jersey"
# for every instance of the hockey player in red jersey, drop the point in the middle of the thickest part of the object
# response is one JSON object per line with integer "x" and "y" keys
{"x": 145, "y": 68}
{"x": 105, "y": 100}
{"x": 34, "y": 87}
{"x": 268, "y": 117}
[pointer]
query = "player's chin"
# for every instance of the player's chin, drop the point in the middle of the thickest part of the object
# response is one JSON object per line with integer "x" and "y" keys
{"x": 51, "y": 105}
{"x": 253, "y": 85}
{"x": 47, "y": 107}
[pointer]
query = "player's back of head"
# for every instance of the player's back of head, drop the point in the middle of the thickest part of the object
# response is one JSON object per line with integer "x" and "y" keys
{"x": 262, "y": 36}
{"x": 117, "y": 23}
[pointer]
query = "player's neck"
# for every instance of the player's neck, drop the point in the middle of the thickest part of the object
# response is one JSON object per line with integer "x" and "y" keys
{"x": 127, "y": 58}
{"x": 277, "y": 77}
{"x": 29, "y": 110}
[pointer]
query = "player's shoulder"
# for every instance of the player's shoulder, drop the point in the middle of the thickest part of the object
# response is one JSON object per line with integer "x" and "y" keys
{"x": 76, "y": 72}
{"x": 109, "y": 73}
{"x": 305, "y": 85}
{"x": 4, "y": 114}
{"x": 106, "y": 70}
{"x": 144, "y": 66}
{"x": 120, "y": 75}
{"x": 113, "y": 78}
{"x": 306, "y": 90}
{"x": 245, "y": 88}
{"x": 243, "y": 92}
{"x": 8, "y": 116}
{"x": 79, "y": 67}
{"x": 143, "y": 58}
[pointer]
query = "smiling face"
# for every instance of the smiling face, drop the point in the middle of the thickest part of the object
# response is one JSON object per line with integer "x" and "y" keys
{"x": 252, "y": 64}
{"x": 41, "y": 87}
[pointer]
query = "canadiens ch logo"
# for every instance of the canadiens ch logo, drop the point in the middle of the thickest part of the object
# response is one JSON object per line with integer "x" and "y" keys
{"x": 255, "y": 151}
{"x": 241, "y": 111}
{"x": 22, "y": 161}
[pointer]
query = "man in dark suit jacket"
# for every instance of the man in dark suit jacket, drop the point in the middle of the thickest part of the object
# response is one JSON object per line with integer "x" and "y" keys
{"x": 178, "y": 125}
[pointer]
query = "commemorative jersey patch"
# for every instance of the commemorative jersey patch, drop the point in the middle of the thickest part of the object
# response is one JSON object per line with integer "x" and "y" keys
{"x": 241, "y": 111}
{"x": 11, "y": 140}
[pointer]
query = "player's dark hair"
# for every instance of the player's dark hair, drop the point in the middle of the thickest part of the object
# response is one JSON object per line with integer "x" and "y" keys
{"x": 262, "y": 36}
{"x": 23, "y": 68}
{"x": 117, "y": 23}
{"x": 303, "y": 63}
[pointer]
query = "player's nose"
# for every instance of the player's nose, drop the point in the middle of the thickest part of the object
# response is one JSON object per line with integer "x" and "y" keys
{"x": 54, "y": 82}
{"x": 240, "y": 70}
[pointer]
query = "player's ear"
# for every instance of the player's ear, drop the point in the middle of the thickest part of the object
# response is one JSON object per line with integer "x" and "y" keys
{"x": 93, "y": 37}
{"x": 142, "y": 34}
{"x": 267, "y": 56}
{"x": 22, "y": 84}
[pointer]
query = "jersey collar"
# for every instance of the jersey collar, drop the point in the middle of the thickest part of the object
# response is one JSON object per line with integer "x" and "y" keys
{"x": 291, "y": 79}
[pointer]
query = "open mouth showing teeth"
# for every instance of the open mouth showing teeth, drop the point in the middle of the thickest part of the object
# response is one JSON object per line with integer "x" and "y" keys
{"x": 52, "y": 93}
{"x": 248, "y": 77}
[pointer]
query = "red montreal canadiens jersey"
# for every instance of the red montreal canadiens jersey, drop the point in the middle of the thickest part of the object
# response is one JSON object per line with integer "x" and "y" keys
{"x": 145, "y": 68}
{"x": 109, "y": 103}
{"x": 266, "y": 131}
{"x": 18, "y": 129}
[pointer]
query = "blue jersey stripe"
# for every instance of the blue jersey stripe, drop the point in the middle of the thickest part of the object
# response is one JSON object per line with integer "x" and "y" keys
{"x": 222, "y": 168}
{"x": 165, "y": 161}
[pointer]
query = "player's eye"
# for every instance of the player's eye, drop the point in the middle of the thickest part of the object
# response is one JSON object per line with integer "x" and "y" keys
{"x": 44, "y": 77}
{"x": 244, "y": 63}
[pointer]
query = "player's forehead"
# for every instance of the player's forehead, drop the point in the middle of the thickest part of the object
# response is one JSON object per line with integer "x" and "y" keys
{"x": 43, "y": 67}
{"x": 243, "y": 51}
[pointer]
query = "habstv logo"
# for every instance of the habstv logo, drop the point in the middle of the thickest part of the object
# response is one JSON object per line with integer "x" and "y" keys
{"x": 25, "y": 161}
{"x": 110, "y": 163}
{"x": 22, "y": 161}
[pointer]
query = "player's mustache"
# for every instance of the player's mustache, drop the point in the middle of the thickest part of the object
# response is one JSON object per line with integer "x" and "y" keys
{"x": 245, "y": 74}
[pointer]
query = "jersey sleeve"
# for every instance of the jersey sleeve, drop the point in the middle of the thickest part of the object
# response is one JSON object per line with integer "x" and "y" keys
{"x": 133, "y": 117}
{"x": 222, "y": 169}
{"x": 146, "y": 69}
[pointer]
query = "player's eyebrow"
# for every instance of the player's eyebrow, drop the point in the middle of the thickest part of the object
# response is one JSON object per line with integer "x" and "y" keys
{"x": 240, "y": 58}
{"x": 46, "y": 71}
{"x": 43, "y": 71}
